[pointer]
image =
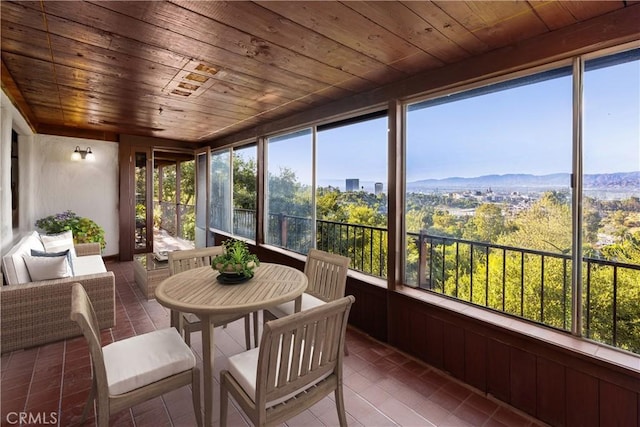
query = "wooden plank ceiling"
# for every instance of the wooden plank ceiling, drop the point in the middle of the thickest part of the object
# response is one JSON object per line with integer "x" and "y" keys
{"x": 198, "y": 70}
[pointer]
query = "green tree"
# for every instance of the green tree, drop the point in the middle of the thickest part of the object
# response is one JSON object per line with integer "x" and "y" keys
{"x": 287, "y": 195}
{"x": 545, "y": 226}
{"x": 328, "y": 206}
{"x": 187, "y": 182}
{"x": 487, "y": 225}
{"x": 446, "y": 224}
{"x": 245, "y": 174}
{"x": 419, "y": 219}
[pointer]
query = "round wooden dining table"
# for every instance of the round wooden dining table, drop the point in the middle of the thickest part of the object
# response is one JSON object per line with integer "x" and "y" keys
{"x": 198, "y": 291}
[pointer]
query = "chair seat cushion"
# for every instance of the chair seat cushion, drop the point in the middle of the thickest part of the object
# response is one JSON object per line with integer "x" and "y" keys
{"x": 88, "y": 264}
{"x": 144, "y": 359}
{"x": 287, "y": 308}
{"x": 244, "y": 368}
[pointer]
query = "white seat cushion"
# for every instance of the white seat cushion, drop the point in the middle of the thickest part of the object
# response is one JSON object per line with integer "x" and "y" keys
{"x": 88, "y": 264}
{"x": 144, "y": 359}
{"x": 287, "y": 308}
{"x": 244, "y": 368}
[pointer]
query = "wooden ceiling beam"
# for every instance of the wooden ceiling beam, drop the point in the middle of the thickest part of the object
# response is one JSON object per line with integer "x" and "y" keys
{"x": 74, "y": 132}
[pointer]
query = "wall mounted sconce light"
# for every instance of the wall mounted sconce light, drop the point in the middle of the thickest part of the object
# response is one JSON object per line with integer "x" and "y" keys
{"x": 79, "y": 154}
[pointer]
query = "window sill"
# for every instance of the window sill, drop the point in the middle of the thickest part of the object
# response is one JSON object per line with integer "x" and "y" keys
{"x": 370, "y": 280}
{"x": 565, "y": 341}
{"x": 285, "y": 252}
{"x": 362, "y": 277}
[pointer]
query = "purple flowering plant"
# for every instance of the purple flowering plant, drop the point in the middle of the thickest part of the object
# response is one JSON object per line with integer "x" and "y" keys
{"x": 84, "y": 230}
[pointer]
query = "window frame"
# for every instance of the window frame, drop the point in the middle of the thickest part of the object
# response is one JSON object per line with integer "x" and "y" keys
{"x": 577, "y": 64}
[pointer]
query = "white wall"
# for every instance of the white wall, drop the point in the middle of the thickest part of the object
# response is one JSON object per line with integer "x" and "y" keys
{"x": 50, "y": 182}
{"x": 90, "y": 189}
{"x": 9, "y": 119}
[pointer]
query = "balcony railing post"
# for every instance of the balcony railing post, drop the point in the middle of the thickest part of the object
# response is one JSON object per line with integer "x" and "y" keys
{"x": 178, "y": 216}
{"x": 614, "y": 307}
{"x": 422, "y": 258}
{"x": 283, "y": 223}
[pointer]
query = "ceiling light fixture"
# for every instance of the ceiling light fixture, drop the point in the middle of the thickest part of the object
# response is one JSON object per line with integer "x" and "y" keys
{"x": 79, "y": 154}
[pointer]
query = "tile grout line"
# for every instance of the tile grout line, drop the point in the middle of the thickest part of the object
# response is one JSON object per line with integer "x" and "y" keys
{"x": 64, "y": 363}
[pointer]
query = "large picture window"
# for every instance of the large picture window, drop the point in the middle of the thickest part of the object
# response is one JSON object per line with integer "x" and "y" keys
{"x": 289, "y": 213}
{"x": 611, "y": 200}
{"x": 233, "y": 191}
{"x": 245, "y": 173}
{"x": 327, "y": 189}
{"x": 221, "y": 191}
{"x": 491, "y": 203}
{"x": 488, "y": 196}
{"x": 351, "y": 191}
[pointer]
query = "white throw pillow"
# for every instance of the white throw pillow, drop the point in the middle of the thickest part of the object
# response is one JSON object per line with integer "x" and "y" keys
{"x": 46, "y": 268}
{"x": 58, "y": 242}
{"x": 65, "y": 253}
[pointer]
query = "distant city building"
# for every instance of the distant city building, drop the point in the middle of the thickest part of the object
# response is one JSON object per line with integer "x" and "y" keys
{"x": 378, "y": 188}
{"x": 352, "y": 184}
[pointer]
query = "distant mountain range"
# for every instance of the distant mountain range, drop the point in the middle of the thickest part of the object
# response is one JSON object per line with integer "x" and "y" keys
{"x": 625, "y": 180}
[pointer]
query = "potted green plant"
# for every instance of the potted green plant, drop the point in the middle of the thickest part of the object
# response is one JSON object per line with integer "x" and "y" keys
{"x": 236, "y": 261}
{"x": 84, "y": 230}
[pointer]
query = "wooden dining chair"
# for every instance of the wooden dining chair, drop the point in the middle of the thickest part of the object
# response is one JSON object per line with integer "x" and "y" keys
{"x": 187, "y": 323}
{"x": 298, "y": 363}
{"x": 135, "y": 369}
{"x": 327, "y": 274}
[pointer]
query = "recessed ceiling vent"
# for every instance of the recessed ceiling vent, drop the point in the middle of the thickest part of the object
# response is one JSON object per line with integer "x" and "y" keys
{"x": 192, "y": 80}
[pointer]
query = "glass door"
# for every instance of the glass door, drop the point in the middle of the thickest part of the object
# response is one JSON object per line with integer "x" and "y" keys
{"x": 143, "y": 219}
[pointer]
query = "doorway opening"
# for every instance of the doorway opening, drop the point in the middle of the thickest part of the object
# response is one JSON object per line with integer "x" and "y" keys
{"x": 173, "y": 200}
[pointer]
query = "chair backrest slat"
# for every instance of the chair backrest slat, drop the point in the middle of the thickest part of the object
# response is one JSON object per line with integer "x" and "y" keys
{"x": 327, "y": 274}
{"x": 184, "y": 260}
{"x": 84, "y": 315}
{"x": 302, "y": 348}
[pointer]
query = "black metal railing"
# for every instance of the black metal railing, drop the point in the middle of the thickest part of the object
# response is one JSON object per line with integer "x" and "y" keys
{"x": 534, "y": 285}
{"x": 177, "y": 219}
{"x": 291, "y": 232}
{"x": 187, "y": 221}
{"x": 530, "y": 284}
{"x": 612, "y": 291}
{"x": 168, "y": 216}
{"x": 244, "y": 223}
{"x": 365, "y": 245}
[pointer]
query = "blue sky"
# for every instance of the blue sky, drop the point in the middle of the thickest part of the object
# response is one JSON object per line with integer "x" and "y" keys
{"x": 523, "y": 130}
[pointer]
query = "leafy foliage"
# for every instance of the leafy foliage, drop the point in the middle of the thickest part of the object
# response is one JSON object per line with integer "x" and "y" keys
{"x": 84, "y": 230}
{"x": 244, "y": 183}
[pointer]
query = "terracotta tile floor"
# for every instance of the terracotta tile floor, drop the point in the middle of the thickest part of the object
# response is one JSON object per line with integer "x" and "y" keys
{"x": 383, "y": 387}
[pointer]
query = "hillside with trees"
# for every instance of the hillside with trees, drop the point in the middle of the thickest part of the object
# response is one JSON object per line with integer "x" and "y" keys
{"x": 512, "y": 255}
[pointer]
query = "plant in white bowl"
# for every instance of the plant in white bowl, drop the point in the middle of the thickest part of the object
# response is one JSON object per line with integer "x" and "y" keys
{"x": 236, "y": 259}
